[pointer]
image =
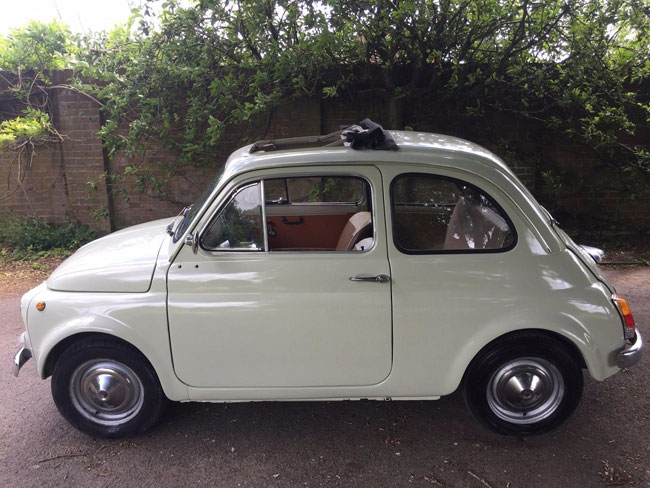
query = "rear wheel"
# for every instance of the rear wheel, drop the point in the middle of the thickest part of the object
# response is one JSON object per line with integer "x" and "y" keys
{"x": 527, "y": 383}
{"x": 107, "y": 389}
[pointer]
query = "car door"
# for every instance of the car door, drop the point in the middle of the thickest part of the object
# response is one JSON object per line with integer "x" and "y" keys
{"x": 455, "y": 263}
{"x": 243, "y": 316}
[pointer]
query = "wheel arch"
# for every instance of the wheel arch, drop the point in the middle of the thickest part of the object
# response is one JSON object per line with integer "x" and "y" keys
{"x": 59, "y": 348}
{"x": 488, "y": 389}
{"x": 525, "y": 334}
{"x": 581, "y": 348}
{"x": 173, "y": 388}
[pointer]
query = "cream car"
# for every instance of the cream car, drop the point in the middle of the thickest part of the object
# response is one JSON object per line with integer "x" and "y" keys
{"x": 320, "y": 269}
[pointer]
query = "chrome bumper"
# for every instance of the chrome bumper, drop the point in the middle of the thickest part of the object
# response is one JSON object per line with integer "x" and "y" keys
{"x": 631, "y": 354}
{"x": 21, "y": 357}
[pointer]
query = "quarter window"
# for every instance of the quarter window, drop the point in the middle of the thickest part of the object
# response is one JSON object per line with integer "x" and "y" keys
{"x": 438, "y": 214}
{"x": 238, "y": 226}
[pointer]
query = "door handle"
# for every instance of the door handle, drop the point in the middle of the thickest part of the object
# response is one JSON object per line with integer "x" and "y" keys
{"x": 293, "y": 222}
{"x": 382, "y": 278}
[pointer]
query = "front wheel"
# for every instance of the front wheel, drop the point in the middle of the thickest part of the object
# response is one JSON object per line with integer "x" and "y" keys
{"x": 107, "y": 389}
{"x": 525, "y": 384}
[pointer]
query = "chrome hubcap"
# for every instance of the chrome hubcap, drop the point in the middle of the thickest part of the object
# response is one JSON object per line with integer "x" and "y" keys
{"x": 107, "y": 392}
{"x": 525, "y": 391}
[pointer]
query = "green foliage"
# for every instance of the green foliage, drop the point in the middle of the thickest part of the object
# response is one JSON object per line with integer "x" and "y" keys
{"x": 200, "y": 70}
{"x": 31, "y": 52}
{"x": 34, "y": 237}
{"x": 27, "y": 55}
{"x": 32, "y": 126}
{"x": 29, "y": 254}
{"x": 37, "y": 46}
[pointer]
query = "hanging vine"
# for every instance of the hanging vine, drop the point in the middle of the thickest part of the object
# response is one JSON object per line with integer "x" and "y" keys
{"x": 26, "y": 58}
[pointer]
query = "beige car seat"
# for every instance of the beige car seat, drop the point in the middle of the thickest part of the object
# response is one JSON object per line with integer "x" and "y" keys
{"x": 474, "y": 226}
{"x": 358, "y": 227}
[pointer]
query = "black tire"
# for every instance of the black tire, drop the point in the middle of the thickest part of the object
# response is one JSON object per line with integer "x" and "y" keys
{"x": 122, "y": 395}
{"x": 493, "y": 384}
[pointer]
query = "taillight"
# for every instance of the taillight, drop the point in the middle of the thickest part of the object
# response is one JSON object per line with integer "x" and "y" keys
{"x": 628, "y": 319}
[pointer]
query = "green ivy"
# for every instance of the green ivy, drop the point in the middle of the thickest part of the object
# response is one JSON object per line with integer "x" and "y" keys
{"x": 33, "y": 126}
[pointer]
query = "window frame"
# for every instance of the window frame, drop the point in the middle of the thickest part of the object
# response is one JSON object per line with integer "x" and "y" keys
{"x": 368, "y": 195}
{"x": 496, "y": 204}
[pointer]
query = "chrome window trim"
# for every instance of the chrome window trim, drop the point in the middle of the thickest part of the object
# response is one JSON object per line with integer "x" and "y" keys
{"x": 417, "y": 252}
{"x": 373, "y": 201}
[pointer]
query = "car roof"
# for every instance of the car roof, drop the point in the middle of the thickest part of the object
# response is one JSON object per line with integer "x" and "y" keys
{"x": 412, "y": 146}
{"x": 415, "y": 149}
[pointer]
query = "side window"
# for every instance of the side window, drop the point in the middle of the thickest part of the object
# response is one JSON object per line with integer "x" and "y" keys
{"x": 238, "y": 225}
{"x": 434, "y": 214}
{"x": 318, "y": 213}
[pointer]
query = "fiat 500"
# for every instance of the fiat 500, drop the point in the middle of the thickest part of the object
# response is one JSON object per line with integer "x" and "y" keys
{"x": 319, "y": 269}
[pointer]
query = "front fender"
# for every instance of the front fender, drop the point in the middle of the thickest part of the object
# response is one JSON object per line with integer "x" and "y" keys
{"x": 137, "y": 318}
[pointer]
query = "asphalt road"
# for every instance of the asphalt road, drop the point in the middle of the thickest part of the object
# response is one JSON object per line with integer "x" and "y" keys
{"x": 606, "y": 443}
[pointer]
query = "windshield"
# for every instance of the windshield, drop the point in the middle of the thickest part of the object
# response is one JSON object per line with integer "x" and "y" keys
{"x": 189, "y": 213}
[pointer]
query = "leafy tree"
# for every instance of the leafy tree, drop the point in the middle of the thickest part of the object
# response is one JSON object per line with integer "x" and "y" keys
{"x": 185, "y": 76}
{"x": 36, "y": 47}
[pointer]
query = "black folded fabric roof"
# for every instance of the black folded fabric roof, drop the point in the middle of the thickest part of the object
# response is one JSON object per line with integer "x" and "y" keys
{"x": 372, "y": 136}
{"x": 364, "y": 135}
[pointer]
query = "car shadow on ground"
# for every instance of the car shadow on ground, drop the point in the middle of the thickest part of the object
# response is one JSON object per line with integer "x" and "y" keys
{"x": 346, "y": 425}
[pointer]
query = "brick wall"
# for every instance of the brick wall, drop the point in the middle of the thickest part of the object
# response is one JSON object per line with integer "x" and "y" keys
{"x": 77, "y": 118}
{"x": 65, "y": 182}
{"x": 43, "y": 191}
{"x": 294, "y": 118}
{"x": 54, "y": 183}
{"x": 590, "y": 195}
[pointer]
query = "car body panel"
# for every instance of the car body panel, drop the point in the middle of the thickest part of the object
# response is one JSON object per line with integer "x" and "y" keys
{"x": 451, "y": 305}
{"x": 584, "y": 256}
{"x": 119, "y": 262}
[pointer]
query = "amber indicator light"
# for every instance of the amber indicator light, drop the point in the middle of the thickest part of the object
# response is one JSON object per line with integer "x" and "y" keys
{"x": 628, "y": 319}
{"x": 40, "y": 306}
